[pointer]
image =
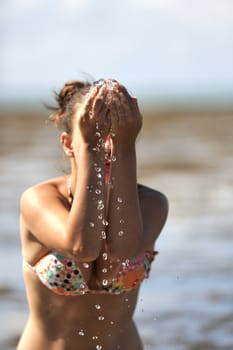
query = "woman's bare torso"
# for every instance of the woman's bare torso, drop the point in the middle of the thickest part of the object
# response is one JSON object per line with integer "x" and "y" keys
{"x": 85, "y": 322}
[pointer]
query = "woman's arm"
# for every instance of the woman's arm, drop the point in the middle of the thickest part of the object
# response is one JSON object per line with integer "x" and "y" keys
{"x": 75, "y": 233}
{"x": 124, "y": 235}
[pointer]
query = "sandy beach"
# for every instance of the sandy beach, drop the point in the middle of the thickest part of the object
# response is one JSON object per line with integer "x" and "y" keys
{"x": 187, "y": 153}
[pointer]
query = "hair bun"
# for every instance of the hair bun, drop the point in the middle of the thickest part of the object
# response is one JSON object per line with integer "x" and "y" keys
{"x": 72, "y": 92}
{"x": 68, "y": 91}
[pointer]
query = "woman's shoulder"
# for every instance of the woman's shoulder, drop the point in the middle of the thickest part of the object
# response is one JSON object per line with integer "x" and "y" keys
{"x": 151, "y": 195}
{"x": 44, "y": 191}
{"x": 154, "y": 209}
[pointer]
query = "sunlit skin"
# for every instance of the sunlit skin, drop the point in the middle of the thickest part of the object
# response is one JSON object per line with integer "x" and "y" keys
{"x": 48, "y": 222}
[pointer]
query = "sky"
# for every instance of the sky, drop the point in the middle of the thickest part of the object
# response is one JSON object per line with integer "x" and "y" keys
{"x": 162, "y": 50}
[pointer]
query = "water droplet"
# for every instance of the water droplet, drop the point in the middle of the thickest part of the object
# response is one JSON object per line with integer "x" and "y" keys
{"x": 95, "y": 337}
{"x": 111, "y": 322}
{"x": 97, "y": 191}
{"x": 100, "y": 206}
{"x": 120, "y": 233}
{"x": 104, "y": 282}
{"x": 100, "y": 217}
{"x": 105, "y": 223}
{"x": 81, "y": 332}
{"x": 86, "y": 265}
{"x": 113, "y": 158}
{"x": 97, "y": 306}
{"x": 105, "y": 270}
{"x": 97, "y": 169}
{"x": 118, "y": 208}
{"x": 126, "y": 299}
{"x": 99, "y": 175}
{"x": 119, "y": 200}
{"x": 91, "y": 224}
{"x": 99, "y": 347}
{"x": 97, "y": 125}
{"x": 98, "y": 134}
{"x": 105, "y": 256}
{"x": 100, "y": 183}
{"x": 122, "y": 221}
{"x": 103, "y": 235}
{"x": 101, "y": 318}
{"x": 113, "y": 134}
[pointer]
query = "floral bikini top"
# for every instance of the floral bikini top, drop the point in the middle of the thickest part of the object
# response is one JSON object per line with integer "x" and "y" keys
{"x": 62, "y": 276}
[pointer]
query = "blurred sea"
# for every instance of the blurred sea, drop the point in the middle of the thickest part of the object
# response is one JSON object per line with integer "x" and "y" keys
{"x": 187, "y": 304}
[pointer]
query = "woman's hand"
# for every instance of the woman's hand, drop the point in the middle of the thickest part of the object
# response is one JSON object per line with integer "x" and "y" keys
{"x": 93, "y": 122}
{"x": 126, "y": 119}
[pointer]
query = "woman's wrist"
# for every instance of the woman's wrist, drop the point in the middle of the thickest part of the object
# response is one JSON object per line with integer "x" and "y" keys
{"x": 124, "y": 147}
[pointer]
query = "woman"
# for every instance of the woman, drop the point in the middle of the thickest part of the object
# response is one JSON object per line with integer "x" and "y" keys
{"x": 88, "y": 238}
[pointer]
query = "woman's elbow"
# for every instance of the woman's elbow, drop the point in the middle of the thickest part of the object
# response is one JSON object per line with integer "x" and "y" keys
{"x": 83, "y": 252}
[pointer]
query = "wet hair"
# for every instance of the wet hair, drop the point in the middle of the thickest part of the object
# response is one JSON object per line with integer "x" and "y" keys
{"x": 67, "y": 99}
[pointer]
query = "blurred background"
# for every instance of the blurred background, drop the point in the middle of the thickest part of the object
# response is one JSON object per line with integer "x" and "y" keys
{"x": 176, "y": 56}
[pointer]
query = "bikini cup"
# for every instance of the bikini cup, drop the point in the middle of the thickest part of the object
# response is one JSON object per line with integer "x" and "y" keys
{"x": 62, "y": 276}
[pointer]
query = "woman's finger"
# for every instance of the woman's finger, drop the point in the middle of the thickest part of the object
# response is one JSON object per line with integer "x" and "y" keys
{"x": 100, "y": 100}
{"x": 90, "y": 100}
